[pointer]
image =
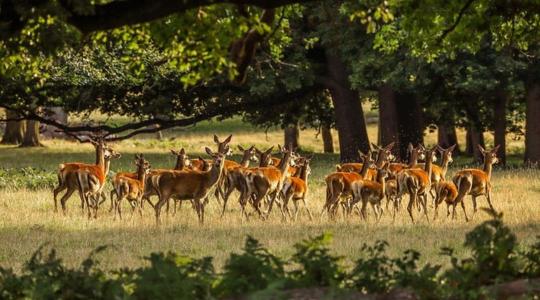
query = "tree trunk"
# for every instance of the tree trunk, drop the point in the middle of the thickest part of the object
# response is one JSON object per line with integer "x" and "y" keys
{"x": 31, "y": 136}
{"x": 474, "y": 138}
{"x": 532, "y": 125}
{"x": 410, "y": 122}
{"x": 291, "y": 135}
{"x": 350, "y": 121}
{"x": 446, "y": 137}
{"x": 501, "y": 99}
{"x": 14, "y": 133}
{"x": 388, "y": 118}
{"x": 328, "y": 140}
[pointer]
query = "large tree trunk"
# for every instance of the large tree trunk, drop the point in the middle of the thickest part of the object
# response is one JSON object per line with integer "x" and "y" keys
{"x": 500, "y": 101}
{"x": 474, "y": 138}
{"x": 446, "y": 137}
{"x": 291, "y": 136}
{"x": 388, "y": 118}
{"x": 532, "y": 125}
{"x": 14, "y": 133}
{"x": 411, "y": 124}
{"x": 31, "y": 136}
{"x": 328, "y": 140}
{"x": 350, "y": 121}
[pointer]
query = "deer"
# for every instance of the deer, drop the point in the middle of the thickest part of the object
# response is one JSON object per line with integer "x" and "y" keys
{"x": 182, "y": 162}
{"x": 417, "y": 182}
{"x": 372, "y": 192}
{"x": 266, "y": 181}
{"x": 438, "y": 173}
{"x": 292, "y": 170}
{"x": 476, "y": 182}
{"x": 296, "y": 188}
{"x": 446, "y": 191}
{"x": 383, "y": 154}
{"x": 68, "y": 176}
{"x": 189, "y": 185}
{"x": 130, "y": 188}
{"x": 339, "y": 184}
{"x": 235, "y": 175}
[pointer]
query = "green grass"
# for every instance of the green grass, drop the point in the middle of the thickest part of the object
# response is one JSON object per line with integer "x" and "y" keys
{"x": 27, "y": 219}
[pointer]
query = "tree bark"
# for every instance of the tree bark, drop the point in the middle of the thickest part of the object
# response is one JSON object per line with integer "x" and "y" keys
{"x": 446, "y": 137}
{"x": 501, "y": 99}
{"x": 14, "y": 133}
{"x": 291, "y": 136}
{"x": 388, "y": 118}
{"x": 31, "y": 136}
{"x": 532, "y": 125}
{"x": 350, "y": 121}
{"x": 328, "y": 140}
{"x": 410, "y": 122}
{"x": 474, "y": 138}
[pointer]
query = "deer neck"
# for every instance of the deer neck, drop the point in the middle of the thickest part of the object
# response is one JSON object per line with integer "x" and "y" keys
{"x": 488, "y": 168}
{"x": 140, "y": 173}
{"x": 215, "y": 172}
{"x": 380, "y": 159}
{"x": 100, "y": 156}
{"x": 284, "y": 164}
{"x": 382, "y": 181}
{"x": 428, "y": 166}
{"x": 444, "y": 165}
{"x": 245, "y": 161}
{"x": 364, "y": 170}
{"x": 413, "y": 159}
{"x": 106, "y": 166}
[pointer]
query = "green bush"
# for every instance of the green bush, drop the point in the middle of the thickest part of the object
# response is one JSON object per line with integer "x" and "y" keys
{"x": 496, "y": 257}
{"x": 30, "y": 178}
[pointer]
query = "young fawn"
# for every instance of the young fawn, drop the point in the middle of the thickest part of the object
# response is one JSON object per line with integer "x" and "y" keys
{"x": 296, "y": 188}
{"x": 372, "y": 192}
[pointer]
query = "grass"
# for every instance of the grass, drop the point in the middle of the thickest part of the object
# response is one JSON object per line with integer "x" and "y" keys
{"x": 27, "y": 219}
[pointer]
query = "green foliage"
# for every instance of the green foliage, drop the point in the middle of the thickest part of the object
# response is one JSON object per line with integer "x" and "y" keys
{"x": 317, "y": 266}
{"x": 171, "y": 276}
{"x": 253, "y": 270}
{"x": 29, "y": 178}
{"x": 495, "y": 258}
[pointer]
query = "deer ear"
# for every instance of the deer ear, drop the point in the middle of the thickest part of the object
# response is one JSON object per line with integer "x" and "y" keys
{"x": 410, "y": 147}
{"x": 481, "y": 149}
{"x": 182, "y": 151}
{"x": 279, "y": 148}
{"x": 495, "y": 149}
{"x": 338, "y": 168}
{"x": 216, "y": 140}
{"x": 269, "y": 150}
{"x": 309, "y": 157}
{"x": 451, "y": 149}
{"x": 174, "y": 152}
{"x": 241, "y": 148}
{"x": 209, "y": 151}
{"x": 422, "y": 147}
{"x": 258, "y": 151}
{"x": 228, "y": 139}
{"x": 389, "y": 146}
{"x": 361, "y": 153}
{"x": 375, "y": 146}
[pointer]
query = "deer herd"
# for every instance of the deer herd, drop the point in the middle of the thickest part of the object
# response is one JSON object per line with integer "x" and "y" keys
{"x": 278, "y": 181}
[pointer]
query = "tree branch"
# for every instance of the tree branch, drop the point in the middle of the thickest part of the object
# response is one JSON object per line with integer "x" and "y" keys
{"x": 456, "y": 22}
{"x": 129, "y": 12}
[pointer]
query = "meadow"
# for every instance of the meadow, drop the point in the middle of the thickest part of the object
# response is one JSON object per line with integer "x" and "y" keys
{"x": 28, "y": 220}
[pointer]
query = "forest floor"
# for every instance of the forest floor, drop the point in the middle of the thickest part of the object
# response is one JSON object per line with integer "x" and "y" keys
{"x": 28, "y": 220}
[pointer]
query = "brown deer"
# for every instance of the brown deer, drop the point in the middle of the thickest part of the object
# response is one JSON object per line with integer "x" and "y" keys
{"x": 292, "y": 170}
{"x": 446, "y": 191}
{"x": 477, "y": 182}
{"x": 296, "y": 188}
{"x": 372, "y": 192}
{"x": 339, "y": 185}
{"x": 438, "y": 173}
{"x": 130, "y": 188}
{"x": 235, "y": 175}
{"x": 417, "y": 182}
{"x": 188, "y": 185}
{"x": 69, "y": 175}
{"x": 384, "y": 154}
{"x": 266, "y": 182}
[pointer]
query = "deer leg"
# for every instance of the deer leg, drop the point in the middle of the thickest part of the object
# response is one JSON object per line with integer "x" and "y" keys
{"x": 64, "y": 199}
{"x": 464, "y": 211}
{"x": 474, "y": 204}
{"x": 412, "y": 200}
{"x": 363, "y": 210}
{"x": 157, "y": 208}
{"x": 56, "y": 191}
{"x": 307, "y": 208}
{"x": 424, "y": 205}
{"x": 488, "y": 197}
{"x": 119, "y": 207}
